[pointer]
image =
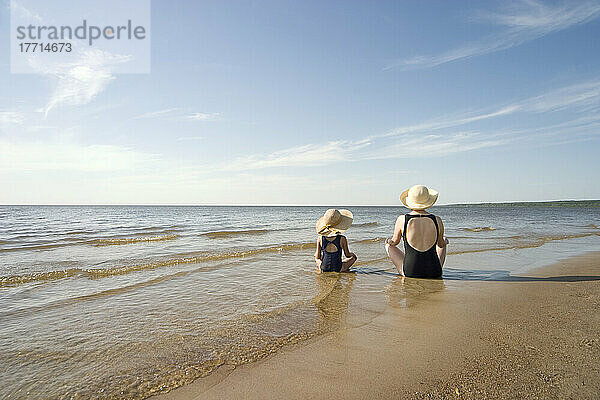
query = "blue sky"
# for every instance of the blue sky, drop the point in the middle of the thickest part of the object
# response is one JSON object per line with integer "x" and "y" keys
{"x": 333, "y": 103}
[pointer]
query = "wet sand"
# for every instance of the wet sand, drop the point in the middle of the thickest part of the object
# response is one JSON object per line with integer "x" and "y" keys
{"x": 535, "y": 336}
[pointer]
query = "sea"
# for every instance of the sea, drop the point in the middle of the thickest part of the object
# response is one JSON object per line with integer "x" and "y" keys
{"x": 123, "y": 302}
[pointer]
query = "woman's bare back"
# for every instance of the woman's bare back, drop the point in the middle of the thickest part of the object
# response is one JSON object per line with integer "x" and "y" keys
{"x": 421, "y": 233}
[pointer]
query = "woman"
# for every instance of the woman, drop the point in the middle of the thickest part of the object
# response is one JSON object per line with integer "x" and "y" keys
{"x": 423, "y": 234}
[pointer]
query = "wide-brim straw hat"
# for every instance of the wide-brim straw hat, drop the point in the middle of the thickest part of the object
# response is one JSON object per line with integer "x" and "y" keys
{"x": 334, "y": 222}
{"x": 419, "y": 197}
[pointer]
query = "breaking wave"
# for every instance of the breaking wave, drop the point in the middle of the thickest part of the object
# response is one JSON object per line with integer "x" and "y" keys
{"x": 365, "y": 224}
{"x": 228, "y": 234}
{"x": 480, "y": 229}
{"x": 122, "y": 241}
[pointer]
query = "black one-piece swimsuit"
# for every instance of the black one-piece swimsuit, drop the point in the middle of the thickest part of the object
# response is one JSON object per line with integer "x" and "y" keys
{"x": 421, "y": 264}
{"x": 331, "y": 261}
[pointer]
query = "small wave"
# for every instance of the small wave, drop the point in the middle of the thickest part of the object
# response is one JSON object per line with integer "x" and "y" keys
{"x": 592, "y": 226}
{"x": 24, "y": 236}
{"x": 150, "y": 228}
{"x": 121, "y": 241}
{"x": 228, "y": 234}
{"x": 41, "y": 276}
{"x": 160, "y": 232}
{"x": 365, "y": 224}
{"x": 93, "y": 242}
{"x": 78, "y": 232}
{"x": 91, "y": 296}
{"x": 480, "y": 229}
{"x": 528, "y": 245}
{"x": 368, "y": 241}
{"x": 105, "y": 272}
{"x": 156, "y": 230}
{"x": 37, "y": 247}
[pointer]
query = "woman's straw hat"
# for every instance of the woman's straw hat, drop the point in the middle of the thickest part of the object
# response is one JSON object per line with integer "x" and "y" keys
{"x": 419, "y": 197}
{"x": 334, "y": 222}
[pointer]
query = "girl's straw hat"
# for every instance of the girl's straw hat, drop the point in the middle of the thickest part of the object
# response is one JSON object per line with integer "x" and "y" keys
{"x": 334, "y": 222}
{"x": 419, "y": 197}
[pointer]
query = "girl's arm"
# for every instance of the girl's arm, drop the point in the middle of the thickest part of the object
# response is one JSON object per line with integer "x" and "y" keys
{"x": 344, "y": 243}
{"x": 395, "y": 240}
{"x": 318, "y": 252}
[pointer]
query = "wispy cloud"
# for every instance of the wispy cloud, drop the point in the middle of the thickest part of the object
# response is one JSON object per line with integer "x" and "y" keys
{"x": 424, "y": 146}
{"x": 203, "y": 116}
{"x": 22, "y": 122}
{"x": 452, "y": 121}
{"x": 544, "y": 17}
{"x": 410, "y": 146}
{"x": 11, "y": 117}
{"x": 307, "y": 155}
{"x": 158, "y": 113}
{"x": 80, "y": 82}
{"x": 186, "y": 138}
{"x": 439, "y": 137}
{"x": 23, "y": 12}
{"x": 521, "y": 22}
{"x": 19, "y": 156}
{"x": 180, "y": 114}
{"x": 579, "y": 95}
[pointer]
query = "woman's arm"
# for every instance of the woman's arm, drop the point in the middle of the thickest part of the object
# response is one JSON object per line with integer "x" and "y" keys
{"x": 441, "y": 242}
{"x": 344, "y": 243}
{"x": 395, "y": 240}
{"x": 318, "y": 252}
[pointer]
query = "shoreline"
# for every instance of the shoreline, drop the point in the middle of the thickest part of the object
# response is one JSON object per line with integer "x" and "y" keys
{"x": 485, "y": 339}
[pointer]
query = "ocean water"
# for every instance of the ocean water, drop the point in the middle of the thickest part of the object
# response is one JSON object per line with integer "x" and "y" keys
{"x": 129, "y": 301}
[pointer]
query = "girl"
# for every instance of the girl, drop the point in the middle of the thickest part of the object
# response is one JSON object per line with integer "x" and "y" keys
{"x": 330, "y": 243}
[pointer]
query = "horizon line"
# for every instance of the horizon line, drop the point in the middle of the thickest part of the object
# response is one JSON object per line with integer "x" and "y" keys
{"x": 286, "y": 205}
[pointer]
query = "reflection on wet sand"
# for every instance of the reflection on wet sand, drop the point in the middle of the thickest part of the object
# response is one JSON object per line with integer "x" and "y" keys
{"x": 333, "y": 297}
{"x": 405, "y": 292}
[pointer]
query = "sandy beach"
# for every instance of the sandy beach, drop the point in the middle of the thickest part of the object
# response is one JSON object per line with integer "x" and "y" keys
{"x": 534, "y": 336}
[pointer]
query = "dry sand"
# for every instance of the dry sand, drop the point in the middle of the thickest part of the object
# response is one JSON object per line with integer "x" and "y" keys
{"x": 522, "y": 339}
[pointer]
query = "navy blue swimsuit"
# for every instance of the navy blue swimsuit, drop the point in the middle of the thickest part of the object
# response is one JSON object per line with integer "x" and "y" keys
{"x": 331, "y": 262}
{"x": 421, "y": 264}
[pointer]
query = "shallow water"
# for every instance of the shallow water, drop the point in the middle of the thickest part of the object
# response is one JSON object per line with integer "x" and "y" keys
{"x": 122, "y": 302}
